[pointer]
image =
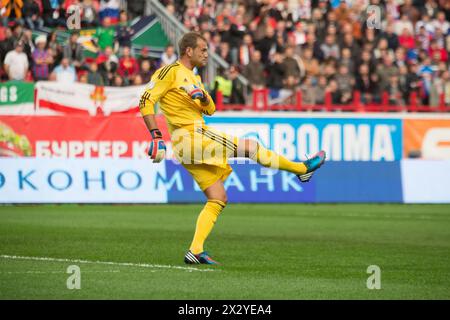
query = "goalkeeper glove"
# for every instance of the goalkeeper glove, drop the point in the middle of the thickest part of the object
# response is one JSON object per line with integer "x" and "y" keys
{"x": 157, "y": 149}
{"x": 195, "y": 92}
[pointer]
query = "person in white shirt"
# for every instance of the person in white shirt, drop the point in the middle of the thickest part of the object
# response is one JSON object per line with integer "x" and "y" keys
{"x": 169, "y": 56}
{"x": 441, "y": 23}
{"x": 65, "y": 72}
{"x": 403, "y": 23}
{"x": 16, "y": 63}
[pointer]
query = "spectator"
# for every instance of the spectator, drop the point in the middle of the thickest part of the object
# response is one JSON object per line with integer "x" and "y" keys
{"x": 169, "y": 56}
{"x": 254, "y": 71}
{"x": 391, "y": 37}
{"x": 394, "y": 91}
{"x": 386, "y": 70}
{"x": 224, "y": 52}
{"x": 267, "y": 45}
{"x": 28, "y": 45}
{"x": 382, "y": 49}
{"x": 333, "y": 90}
{"x": 32, "y": 14}
{"x": 118, "y": 81}
{"x": 65, "y": 72}
{"x": 128, "y": 66}
{"x": 137, "y": 80}
{"x": 55, "y": 48}
{"x": 330, "y": 48}
{"x": 276, "y": 72}
{"x": 6, "y": 44}
{"x": 345, "y": 83}
{"x": 74, "y": 51}
{"x": 320, "y": 90}
{"x": 365, "y": 84}
{"x": 347, "y": 60}
{"x": 299, "y": 34}
{"x": 53, "y": 13}
{"x": 105, "y": 35}
{"x": 399, "y": 57}
{"x": 146, "y": 71}
{"x": 246, "y": 49}
{"x": 17, "y": 34}
{"x": 89, "y": 18}
{"x": 83, "y": 77}
{"x": 440, "y": 52}
{"x": 406, "y": 39}
{"x": 402, "y": 24}
{"x": 308, "y": 92}
{"x": 237, "y": 88}
{"x": 423, "y": 38}
{"x": 350, "y": 43}
{"x": 124, "y": 32}
{"x": 145, "y": 56}
{"x": 16, "y": 63}
{"x": 223, "y": 84}
{"x": 291, "y": 64}
{"x": 425, "y": 23}
{"x": 41, "y": 59}
{"x": 441, "y": 22}
{"x": 94, "y": 76}
{"x": 413, "y": 80}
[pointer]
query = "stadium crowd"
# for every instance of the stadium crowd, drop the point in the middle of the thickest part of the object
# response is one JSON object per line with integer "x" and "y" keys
{"x": 315, "y": 46}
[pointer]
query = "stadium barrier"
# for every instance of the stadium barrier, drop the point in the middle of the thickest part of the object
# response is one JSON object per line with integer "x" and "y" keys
{"x": 260, "y": 102}
{"x": 37, "y": 180}
{"x": 83, "y": 159}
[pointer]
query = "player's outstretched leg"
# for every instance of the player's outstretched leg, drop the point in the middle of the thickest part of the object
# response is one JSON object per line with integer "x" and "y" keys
{"x": 207, "y": 218}
{"x": 267, "y": 158}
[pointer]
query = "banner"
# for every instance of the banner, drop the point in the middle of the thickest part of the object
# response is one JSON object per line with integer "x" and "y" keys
{"x": 427, "y": 139}
{"x": 16, "y": 97}
{"x": 344, "y": 139}
{"x": 295, "y": 138}
{"x": 80, "y": 181}
{"x": 76, "y": 136}
{"x": 87, "y": 99}
{"x": 37, "y": 180}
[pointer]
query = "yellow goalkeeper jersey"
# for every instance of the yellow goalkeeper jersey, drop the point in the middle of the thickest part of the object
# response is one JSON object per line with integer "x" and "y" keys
{"x": 177, "y": 106}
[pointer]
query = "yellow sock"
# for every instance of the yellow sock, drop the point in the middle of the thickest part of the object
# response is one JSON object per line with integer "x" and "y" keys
{"x": 205, "y": 222}
{"x": 272, "y": 160}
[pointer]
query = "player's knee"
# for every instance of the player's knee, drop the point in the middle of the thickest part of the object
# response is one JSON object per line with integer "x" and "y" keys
{"x": 251, "y": 148}
{"x": 223, "y": 198}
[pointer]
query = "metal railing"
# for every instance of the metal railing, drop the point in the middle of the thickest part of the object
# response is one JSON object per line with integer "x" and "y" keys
{"x": 174, "y": 30}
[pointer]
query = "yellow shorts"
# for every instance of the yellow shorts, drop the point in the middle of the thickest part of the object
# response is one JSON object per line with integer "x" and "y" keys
{"x": 204, "y": 152}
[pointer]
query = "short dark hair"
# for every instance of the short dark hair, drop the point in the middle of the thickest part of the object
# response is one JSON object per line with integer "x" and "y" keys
{"x": 189, "y": 40}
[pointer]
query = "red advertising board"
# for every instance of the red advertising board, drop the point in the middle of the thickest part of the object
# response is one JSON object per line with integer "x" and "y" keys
{"x": 76, "y": 136}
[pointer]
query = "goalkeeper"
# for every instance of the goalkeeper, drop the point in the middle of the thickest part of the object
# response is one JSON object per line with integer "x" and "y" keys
{"x": 202, "y": 150}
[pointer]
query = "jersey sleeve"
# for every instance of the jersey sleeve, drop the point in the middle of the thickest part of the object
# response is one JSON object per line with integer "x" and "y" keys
{"x": 160, "y": 83}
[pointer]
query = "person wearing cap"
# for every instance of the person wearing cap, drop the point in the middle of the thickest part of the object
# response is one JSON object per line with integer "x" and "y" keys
{"x": 16, "y": 63}
{"x": 41, "y": 59}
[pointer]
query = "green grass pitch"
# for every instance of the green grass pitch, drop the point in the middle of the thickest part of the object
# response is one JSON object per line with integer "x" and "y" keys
{"x": 270, "y": 251}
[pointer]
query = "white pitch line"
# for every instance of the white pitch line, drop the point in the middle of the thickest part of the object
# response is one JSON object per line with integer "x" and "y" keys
{"x": 125, "y": 264}
{"x": 52, "y": 272}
